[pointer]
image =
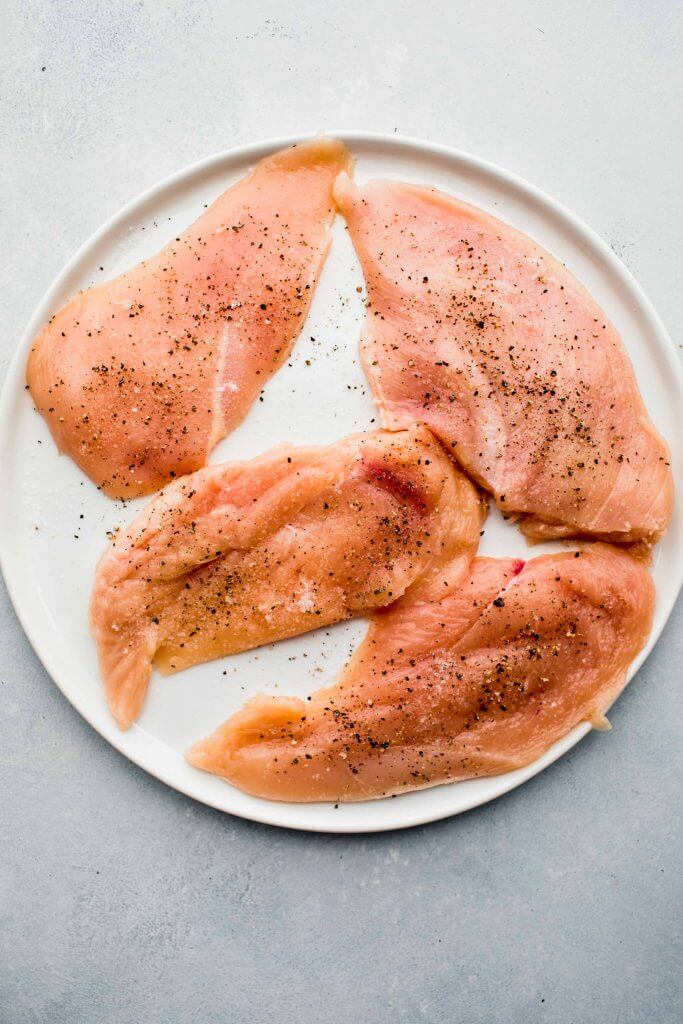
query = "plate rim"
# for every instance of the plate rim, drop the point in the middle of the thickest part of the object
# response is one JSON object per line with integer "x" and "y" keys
{"x": 274, "y": 813}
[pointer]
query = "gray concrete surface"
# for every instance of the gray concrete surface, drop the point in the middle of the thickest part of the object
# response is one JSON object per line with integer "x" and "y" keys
{"x": 121, "y": 901}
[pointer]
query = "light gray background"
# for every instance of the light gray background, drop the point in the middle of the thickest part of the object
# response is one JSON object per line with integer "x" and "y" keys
{"x": 122, "y": 901}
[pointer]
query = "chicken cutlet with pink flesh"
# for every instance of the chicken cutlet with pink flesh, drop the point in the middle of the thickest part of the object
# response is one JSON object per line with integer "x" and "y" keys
{"x": 475, "y": 330}
{"x": 478, "y": 681}
{"x": 139, "y": 378}
{"x": 239, "y": 555}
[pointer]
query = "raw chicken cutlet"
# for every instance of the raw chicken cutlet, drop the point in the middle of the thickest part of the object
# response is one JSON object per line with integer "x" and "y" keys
{"x": 240, "y": 555}
{"x": 140, "y": 377}
{"x": 479, "y": 681}
{"x": 475, "y": 330}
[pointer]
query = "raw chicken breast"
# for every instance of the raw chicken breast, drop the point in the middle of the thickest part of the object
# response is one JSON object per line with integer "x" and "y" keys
{"x": 476, "y": 331}
{"x": 140, "y": 377}
{"x": 482, "y": 681}
{"x": 239, "y": 555}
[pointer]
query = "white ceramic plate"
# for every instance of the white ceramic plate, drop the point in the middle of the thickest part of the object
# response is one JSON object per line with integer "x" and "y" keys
{"x": 53, "y": 522}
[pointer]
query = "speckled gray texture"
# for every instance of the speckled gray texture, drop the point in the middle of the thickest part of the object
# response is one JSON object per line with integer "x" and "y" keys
{"x": 121, "y": 901}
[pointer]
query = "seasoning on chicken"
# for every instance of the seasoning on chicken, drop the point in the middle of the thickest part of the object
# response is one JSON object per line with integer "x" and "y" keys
{"x": 243, "y": 554}
{"x": 475, "y": 330}
{"x": 478, "y": 682}
{"x": 140, "y": 377}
